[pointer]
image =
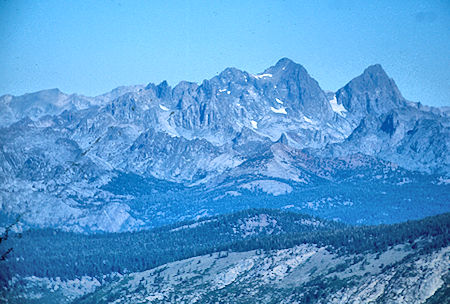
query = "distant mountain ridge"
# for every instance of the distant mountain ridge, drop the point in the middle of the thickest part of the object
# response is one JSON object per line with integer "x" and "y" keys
{"x": 51, "y": 102}
{"x": 237, "y": 136}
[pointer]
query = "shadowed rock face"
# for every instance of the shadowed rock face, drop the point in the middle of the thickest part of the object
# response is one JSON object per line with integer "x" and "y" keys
{"x": 389, "y": 125}
{"x": 373, "y": 92}
{"x": 302, "y": 91}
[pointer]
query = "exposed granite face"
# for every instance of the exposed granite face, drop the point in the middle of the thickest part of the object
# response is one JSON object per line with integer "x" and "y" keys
{"x": 61, "y": 150}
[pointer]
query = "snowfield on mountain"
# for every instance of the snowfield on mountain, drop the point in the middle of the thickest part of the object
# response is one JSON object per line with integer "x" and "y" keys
{"x": 271, "y": 140}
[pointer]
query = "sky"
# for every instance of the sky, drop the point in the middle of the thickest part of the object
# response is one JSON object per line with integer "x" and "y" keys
{"x": 91, "y": 47}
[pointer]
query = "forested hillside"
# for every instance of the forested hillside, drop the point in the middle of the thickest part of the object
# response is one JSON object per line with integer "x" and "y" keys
{"x": 52, "y": 253}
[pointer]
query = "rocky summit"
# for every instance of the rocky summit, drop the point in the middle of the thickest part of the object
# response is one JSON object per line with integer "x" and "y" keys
{"x": 144, "y": 156}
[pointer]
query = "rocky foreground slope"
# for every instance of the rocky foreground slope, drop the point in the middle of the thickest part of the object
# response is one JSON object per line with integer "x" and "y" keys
{"x": 256, "y": 256}
{"x": 302, "y": 274}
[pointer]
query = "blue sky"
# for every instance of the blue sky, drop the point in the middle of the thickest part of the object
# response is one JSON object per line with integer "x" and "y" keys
{"x": 90, "y": 47}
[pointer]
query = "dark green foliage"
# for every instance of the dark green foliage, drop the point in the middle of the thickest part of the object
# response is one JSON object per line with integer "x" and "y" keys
{"x": 364, "y": 238}
{"x": 50, "y": 253}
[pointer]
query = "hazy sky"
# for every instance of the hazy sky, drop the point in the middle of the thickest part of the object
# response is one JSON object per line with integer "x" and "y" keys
{"x": 90, "y": 47}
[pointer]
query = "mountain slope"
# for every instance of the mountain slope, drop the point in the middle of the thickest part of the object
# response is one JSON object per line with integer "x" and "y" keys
{"x": 266, "y": 138}
{"x": 303, "y": 274}
{"x": 403, "y": 272}
{"x": 256, "y": 255}
{"x": 51, "y": 102}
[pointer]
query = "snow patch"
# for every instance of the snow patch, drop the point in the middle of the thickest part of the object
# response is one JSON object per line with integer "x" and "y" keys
{"x": 262, "y": 76}
{"x": 307, "y": 119}
{"x": 163, "y": 108}
{"x": 254, "y": 124}
{"x": 281, "y": 110}
{"x": 337, "y": 108}
{"x": 279, "y": 101}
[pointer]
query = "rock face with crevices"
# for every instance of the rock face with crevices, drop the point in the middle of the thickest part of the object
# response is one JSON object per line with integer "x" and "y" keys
{"x": 275, "y": 133}
{"x": 302, "y": 274}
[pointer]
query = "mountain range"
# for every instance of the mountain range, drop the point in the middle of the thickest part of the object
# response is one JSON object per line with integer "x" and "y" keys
{"x": 140, "y": 157}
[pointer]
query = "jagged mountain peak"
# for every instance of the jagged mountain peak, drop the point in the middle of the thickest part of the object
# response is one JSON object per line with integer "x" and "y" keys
{"x": 285, "y": 61}
{"x": 184, "y": 86}
{"x": 230, "y": 71}
{"x": 163, "y": 85}
{"x": 375, "y": 69}
{"x": 285, "y": 67}
{"x": 44, "y": 94}
{"x": 374, "y": 77}
{"x": 163, "y": 90}
{"x": 220, "y": 130}
{"x": 372, "y": 92}
{"x": 230, "y": 75}
{"x": 302, "y": 92}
